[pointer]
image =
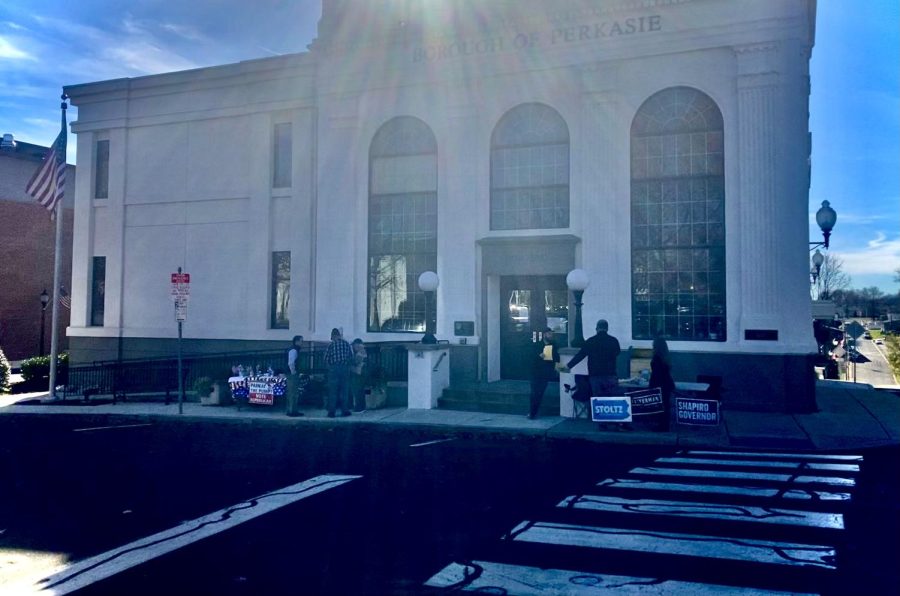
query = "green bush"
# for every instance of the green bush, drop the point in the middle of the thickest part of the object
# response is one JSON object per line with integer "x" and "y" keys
{"x": 892, "y": 342}
{"x": 4, "y": 373}
{"x": 38, "y": 367}
{"x": 203, "y": 386}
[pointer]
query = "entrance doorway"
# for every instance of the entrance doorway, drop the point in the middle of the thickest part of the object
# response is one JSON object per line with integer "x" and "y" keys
{"x": 528, "y": 305}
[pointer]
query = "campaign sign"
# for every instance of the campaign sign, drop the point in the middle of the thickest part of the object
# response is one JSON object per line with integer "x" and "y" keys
{"x": 699, "y": 412}
{"x": 261, "y": 392}
{"x": 611, "y": 409}
{"x": 646, "y": 401}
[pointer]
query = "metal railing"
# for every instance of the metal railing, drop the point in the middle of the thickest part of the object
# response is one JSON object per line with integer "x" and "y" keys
{"x": 386, "y": 362}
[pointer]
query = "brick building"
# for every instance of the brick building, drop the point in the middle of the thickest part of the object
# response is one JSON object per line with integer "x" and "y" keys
{"x": 26, "y": 253}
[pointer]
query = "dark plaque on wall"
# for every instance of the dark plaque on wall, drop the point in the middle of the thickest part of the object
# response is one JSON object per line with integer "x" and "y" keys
{"x": 761, "y": 334}
{"x": 463, "y": 328}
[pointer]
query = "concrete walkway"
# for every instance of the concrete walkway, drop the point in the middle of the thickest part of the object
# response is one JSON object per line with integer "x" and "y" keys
{"x": 851, "y": 416}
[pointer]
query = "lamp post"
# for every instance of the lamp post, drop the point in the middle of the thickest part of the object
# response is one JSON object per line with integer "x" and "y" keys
{"x": 577, "y": 281}
{"x": 45, "y": 298}
{"x": 826, "y": 217}
{"x": 428, "y": 283}
{"x": 817, "y": 259}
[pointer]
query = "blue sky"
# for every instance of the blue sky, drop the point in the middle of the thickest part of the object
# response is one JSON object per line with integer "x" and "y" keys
{"x": 854, "y": 107}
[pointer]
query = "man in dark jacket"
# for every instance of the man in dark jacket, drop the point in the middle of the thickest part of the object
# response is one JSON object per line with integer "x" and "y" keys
{"x": 543, "y": 369}
{"x": 601, "y": 351}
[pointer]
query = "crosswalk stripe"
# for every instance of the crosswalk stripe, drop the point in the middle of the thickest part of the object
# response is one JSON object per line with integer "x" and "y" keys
{"x": 715, "y": 547}
{"x": 697, "y": 473}
{"x": 743, "y": 513}
{"x": 70, "y": 578}
{"x": 761, "y": 464}
{"x": 722, "y": 489}
{"x": 500, "y": 578}
{"x": 767, "y": 454}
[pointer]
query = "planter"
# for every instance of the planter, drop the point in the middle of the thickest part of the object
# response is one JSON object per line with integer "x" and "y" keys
{"x": 217, "y": 397}
{"x": 376, "y": 397}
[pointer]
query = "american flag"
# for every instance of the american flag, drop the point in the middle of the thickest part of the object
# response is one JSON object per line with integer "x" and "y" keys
{"x": 49, "y": 183}
{"x": 64, "y": 297}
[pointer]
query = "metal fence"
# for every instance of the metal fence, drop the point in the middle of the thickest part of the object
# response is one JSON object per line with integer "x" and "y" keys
{"x": 386, "y": 362}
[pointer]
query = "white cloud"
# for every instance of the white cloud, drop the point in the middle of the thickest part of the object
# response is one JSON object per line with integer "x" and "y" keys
{"x": 881, "y": 256}
{"x": 11, "y": 52}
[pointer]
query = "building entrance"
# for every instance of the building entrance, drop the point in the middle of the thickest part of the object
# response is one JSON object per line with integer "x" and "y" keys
{"x": 528, "y": 305}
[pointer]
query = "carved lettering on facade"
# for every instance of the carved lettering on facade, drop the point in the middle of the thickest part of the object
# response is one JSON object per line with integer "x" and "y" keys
{"x": 546, "y": 38}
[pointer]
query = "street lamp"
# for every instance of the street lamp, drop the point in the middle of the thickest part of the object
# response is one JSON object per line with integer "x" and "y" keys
{"x": 428, "y": 283}
{"x": 826, "y": 218}
{"x": 577, "y": 281}
{"x": 45, "y": 298}
{"x": 817, "y": 259}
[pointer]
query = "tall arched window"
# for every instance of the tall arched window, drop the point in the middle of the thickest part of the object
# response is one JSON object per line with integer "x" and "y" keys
{"x": 678, "y": 217}
{"x": 530, "y": 169}
{"x": 402, "y": 223}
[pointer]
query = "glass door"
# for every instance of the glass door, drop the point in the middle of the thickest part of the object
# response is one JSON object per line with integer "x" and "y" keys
{"x": 528, "y": 305}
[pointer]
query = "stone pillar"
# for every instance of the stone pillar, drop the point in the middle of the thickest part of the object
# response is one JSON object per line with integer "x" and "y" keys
{"x": 428, "y": 371}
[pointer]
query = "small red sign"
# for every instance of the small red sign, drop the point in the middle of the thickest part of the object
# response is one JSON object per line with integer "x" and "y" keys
{"x": 181, "y": 278}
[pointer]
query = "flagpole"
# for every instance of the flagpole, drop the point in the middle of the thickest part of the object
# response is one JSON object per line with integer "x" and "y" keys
{"x": 57, "y": 263}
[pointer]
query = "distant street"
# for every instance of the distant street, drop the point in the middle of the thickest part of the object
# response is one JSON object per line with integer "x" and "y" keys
{"x": 127, "y": 507}
{"x": 874, "y": 369}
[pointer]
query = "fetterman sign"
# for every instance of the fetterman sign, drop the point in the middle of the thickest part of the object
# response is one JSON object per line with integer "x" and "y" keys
{"x": 535, "y": 39}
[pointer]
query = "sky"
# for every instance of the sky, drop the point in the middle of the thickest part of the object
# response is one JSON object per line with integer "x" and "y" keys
{"x": 854, "y": 106}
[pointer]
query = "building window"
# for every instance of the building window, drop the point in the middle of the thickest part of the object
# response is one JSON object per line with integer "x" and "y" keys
{"x": 402, "y": 223}
{"x": 530, "y": 170}
{"x": 678, "y": 218}
{"x": 283, "y": 150}
{"x": 281, "y": 289}
{"x": 101, "y": 171}
{"x": 98, "y": 290}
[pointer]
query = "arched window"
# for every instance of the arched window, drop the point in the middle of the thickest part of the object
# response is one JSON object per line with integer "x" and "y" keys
{"x": 678, "y": 218}
{"x": 530, "y": 169}
{"x": 402, "y": 223}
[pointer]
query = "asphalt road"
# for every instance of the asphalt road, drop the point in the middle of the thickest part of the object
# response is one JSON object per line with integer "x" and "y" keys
{"x": 873, "y": 368}
{"x": 357, "y": 511}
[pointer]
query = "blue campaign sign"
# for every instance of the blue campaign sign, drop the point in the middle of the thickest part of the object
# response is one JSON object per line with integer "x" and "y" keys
{"x": 646, "y": 401}
{"x": 611, "y": 409}
{"x": 699, "y": 412}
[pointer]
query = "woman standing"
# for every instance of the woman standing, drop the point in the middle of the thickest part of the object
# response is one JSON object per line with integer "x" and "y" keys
{"x": 661, "y": 376}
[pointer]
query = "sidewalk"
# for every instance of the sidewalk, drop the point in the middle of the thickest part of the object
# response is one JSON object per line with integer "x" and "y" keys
{"x": 850, "y": 416}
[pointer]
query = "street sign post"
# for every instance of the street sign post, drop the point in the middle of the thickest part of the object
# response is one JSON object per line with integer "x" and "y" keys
{"x": 611, "y": 409}
{"x": 180, "y": 293}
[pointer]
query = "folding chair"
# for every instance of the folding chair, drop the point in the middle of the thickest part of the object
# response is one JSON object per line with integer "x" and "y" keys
{"x": 581, "y": 407}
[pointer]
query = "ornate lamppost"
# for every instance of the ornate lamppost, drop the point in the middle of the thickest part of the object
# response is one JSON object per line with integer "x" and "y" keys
{"x": 577, "y": 281}
{"x": 45, "y": 299}
{"x": 428, "y": 283}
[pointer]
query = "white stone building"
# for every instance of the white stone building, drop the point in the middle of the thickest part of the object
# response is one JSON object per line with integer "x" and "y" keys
{"x": 660, "y": 145}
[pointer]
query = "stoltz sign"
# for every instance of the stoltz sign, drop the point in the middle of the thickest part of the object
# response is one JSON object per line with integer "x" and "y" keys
{"x": 698, "y": 412}
{"x": 646, "y": 401}
{"x": 611, "y": 409}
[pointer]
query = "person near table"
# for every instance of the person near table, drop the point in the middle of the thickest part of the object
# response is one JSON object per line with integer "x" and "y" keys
{"x": 601, "y": 352}
{"x": 544, "y": 358}
{"x": 338, "y": 358}
{"x": 661, "y": 377}
{"x": 358, "y": 375}
{"x": 293, "y": 380}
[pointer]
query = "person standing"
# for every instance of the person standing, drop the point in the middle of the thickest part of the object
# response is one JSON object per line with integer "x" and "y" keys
{"x": 545, "y": 357}
{"x": 661, "y": 377}
{"x": 293, "y": 381}
{"x": 601, "y": 350}
{"x": 338, "y": 358}
{"x": 358, "y": 375}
